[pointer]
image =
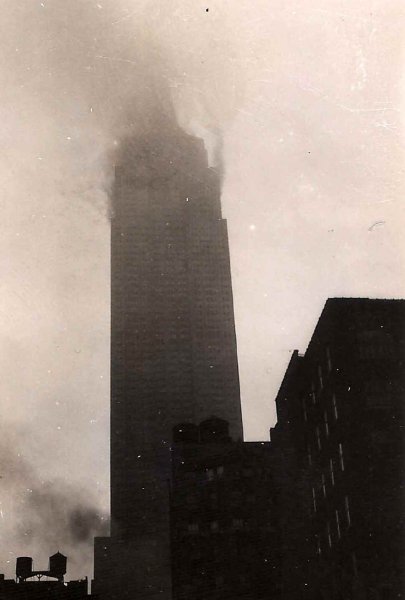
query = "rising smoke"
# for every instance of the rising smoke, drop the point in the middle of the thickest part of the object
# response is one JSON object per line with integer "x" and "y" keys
{"x": 40, "y": 517}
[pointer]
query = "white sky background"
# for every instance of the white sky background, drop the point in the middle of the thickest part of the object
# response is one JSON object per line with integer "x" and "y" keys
{"x": 308, "y": 97}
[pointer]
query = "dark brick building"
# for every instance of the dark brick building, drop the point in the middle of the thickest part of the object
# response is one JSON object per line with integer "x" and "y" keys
{"x": 224, "y": 516}
{"x": 341, "y": 421}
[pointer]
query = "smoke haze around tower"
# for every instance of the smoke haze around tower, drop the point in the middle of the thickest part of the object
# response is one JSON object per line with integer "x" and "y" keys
{"x": 92, "y": 73}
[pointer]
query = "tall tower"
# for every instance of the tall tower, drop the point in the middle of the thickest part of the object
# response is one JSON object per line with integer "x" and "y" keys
{"x": 173, "y": 344}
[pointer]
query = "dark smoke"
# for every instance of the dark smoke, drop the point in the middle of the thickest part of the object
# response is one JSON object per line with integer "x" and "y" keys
{"x": 57, "y": 513}
{"x": 47, "y": 516}
{"x": 86, "y": 523}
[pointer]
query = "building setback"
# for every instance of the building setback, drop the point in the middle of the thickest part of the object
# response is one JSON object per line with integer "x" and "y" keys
{"x": 341, "y": 424}
{"x": 173, "y": 344}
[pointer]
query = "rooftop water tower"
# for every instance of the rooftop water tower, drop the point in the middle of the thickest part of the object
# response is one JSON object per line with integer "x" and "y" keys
{"x": 57, "y": 568}
{"x": 23, "y": 567}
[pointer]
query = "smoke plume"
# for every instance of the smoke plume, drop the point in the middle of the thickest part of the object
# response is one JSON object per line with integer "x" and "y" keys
{"x": 40, "y": 517}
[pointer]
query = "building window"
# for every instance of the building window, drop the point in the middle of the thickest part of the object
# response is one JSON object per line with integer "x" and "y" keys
{"x": 314, "y": 499}
{"x": 342, "y": 463}
{"x": 318, "y": 438}
{"x": 309, "y": 457}
{"x": 320, "y": 377}
{"x": 325, "y": 419}
{"x": 354, "y": 561}
{"x": 335, "y": 411}
{"x": 210, "y": 474}
{"x": 337, "y": 523}
{"x": 323, "y": 485}
{"x": 328, "y": 359}
{"x": 332, "y": 475}
{"x": 237, "y": 524}
{"x": 193, "y": 528}
{"x": 347, "y": 509}
{"x": 328, "y": 535}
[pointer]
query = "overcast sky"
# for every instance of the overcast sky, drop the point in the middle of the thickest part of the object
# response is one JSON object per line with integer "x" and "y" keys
{"x": 307, "y": 99}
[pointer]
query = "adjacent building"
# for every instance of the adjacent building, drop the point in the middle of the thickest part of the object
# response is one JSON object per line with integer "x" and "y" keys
{"x": 224, "y": 516}
{"x": 341, "y": 425}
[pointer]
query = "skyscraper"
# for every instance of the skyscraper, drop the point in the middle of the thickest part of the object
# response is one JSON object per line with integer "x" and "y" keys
{"x": 173, "y": 344}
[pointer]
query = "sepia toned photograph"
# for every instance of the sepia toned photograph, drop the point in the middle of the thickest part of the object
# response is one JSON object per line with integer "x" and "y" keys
{"x": 202, "y": 365}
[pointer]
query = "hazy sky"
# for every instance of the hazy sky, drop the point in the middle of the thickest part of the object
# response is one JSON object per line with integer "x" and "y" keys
{"x": 306, "y": 98}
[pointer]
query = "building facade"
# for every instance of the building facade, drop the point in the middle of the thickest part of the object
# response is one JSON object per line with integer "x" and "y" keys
{"x": 173, "y": 343}
{"x": 341, "y": 417}
{"x": 224, "y": 516}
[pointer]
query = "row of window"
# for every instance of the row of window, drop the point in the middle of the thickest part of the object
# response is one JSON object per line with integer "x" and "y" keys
{"x": 331, "y": 466}
{"x": 320, "y": 376}
{"x": 215, "y": 472}
{"x": 318, "y": 435}
{"x": 337, "y": 525}
{"x": 320, "y": 371}
{"x": 237, "y": 525}
{"x": 333, "y": 406}
{"x": 219, "y": 471}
